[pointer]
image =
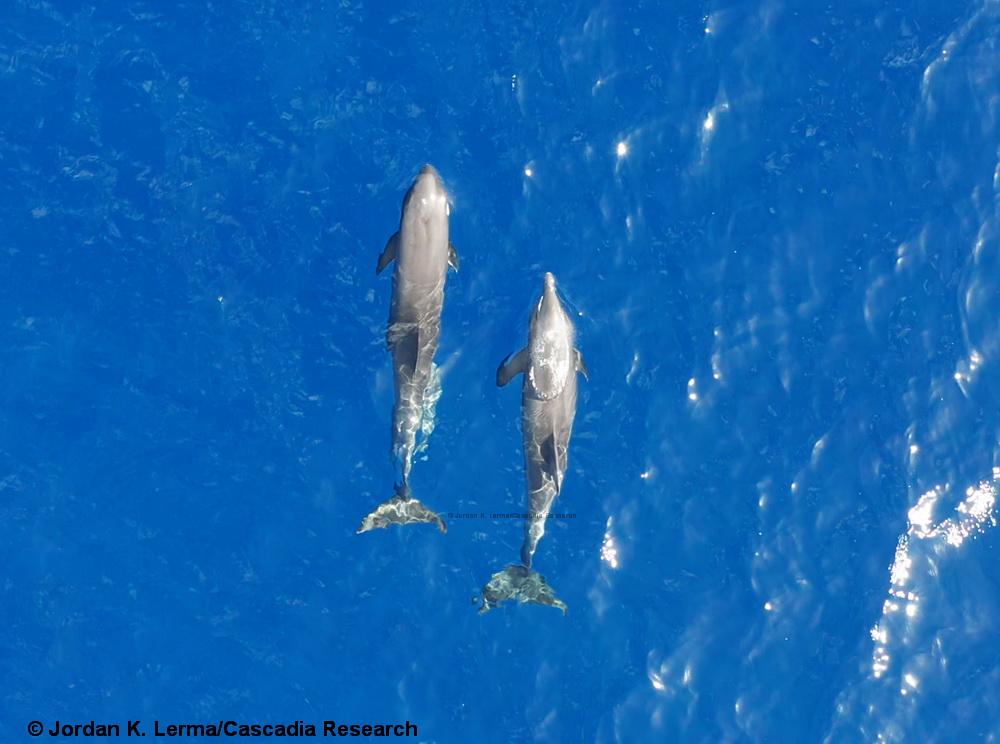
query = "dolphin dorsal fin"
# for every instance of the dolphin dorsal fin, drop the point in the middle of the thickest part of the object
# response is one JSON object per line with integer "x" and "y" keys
{"x": 508, "y": 370}
{"x": 388, "y": 254}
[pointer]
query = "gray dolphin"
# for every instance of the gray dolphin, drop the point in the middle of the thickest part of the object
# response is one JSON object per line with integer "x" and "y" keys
{"x": 549, "y": 363}
{"x": 422, "y": 252}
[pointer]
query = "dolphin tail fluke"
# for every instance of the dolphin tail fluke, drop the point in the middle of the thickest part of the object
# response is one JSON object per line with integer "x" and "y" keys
{"x": 402, "y": 508}
{"x": 522, "y": 584}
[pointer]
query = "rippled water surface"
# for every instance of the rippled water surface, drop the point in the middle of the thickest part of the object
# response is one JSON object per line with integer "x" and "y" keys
{"x": 776, "y": 226}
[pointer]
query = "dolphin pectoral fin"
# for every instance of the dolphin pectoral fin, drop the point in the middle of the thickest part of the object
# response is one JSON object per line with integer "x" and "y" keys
{"x": 581, "y": 366}
{"x": 452, "y": 256}
{"x": 507, "y": 371}
{"x": 522, "y": 584}
{"x": 388, "y": 254}
{"x": 401, "y": 509}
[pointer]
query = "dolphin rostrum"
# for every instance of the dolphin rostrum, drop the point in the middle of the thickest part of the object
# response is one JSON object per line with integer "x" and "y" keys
{"x": 422, "y": 252}
{"x": 548, "y": 404}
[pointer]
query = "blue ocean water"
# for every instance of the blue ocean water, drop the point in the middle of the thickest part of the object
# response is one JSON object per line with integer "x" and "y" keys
{"x": 776, "y": 224}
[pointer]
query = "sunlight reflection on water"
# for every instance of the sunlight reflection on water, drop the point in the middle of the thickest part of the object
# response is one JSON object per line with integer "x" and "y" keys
{"x": 924, "y": 539}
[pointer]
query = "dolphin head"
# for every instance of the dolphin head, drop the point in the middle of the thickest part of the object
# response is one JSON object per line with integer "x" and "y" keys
{"x": 550, "y": 344}
{"x": 549, "y": 288}
{"x": 549, "y": 308}
{"x": 428, "y": 189}
{"x": 431, "y": 178}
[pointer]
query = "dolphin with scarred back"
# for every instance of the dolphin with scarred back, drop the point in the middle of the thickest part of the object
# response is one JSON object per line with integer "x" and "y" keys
{"x": 549, "y": 363}
{"x": 422, "y": 252}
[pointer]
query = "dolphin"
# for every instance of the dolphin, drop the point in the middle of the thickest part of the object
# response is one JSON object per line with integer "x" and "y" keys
{"x": 422, "y": 252}
{"x": 549, "y": 363}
